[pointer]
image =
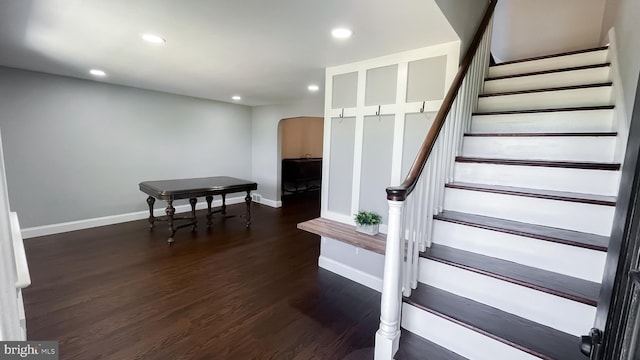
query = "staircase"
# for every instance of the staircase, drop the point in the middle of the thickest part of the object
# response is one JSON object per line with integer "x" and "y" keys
{"x": 519, "y": 249}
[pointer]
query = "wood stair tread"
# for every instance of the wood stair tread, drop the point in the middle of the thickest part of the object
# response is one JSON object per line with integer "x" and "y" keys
{"x": 551, "y": 56}
{"x": 534, "y": 338}
{"x": 345, "y": 233}
{"x": 414, "y": 347}
{"x": 534, "y": 111}
{"x": 561, "y": 285}
{"x": 587, "y": 165}
{"x": 546, "y": 233}
{"x": 540, "y": 134}
{"x": 544, "y": 72}
{"x": 537, "y": 193}
{"x": 560, "y": 88}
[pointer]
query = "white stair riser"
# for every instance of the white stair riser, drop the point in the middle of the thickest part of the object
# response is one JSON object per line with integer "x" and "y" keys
{"x": 564, "y": 121}
{"x": 554, "y": 148}
{"x": 457, "y": 338}
{"x": 566, "y": 315}
{"x": 589, "y": 218}
{"x": 532, "y": 82}
{"x": 596, "y": 96}
{"x": 600, "y": 182}
{"x": 560, "y": 62}
{"x": 569, "y": 260}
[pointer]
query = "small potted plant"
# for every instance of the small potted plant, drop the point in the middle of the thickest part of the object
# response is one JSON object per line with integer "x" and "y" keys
{"x": 367, "y": 222}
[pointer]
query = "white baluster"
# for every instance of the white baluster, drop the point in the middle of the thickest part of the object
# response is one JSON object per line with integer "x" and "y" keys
{"x": 457, "y": 136}
{"x": 407, "y": 232}
{"x": 420, "y": 228}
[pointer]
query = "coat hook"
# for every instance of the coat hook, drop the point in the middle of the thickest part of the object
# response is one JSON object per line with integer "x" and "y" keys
{"x": 422, "y": 108}
{"x": 341, "y": 115}
{"x": 378, "y": 112}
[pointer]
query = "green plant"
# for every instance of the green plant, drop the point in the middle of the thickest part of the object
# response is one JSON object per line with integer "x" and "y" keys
{"x": 367, "y": 218}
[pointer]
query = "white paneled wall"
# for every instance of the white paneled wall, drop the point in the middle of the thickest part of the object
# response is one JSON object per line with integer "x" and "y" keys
{"x": 380, "y": 111}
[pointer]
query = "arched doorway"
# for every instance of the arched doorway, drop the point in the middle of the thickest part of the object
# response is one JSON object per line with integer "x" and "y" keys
{"x": 301, "y": 141}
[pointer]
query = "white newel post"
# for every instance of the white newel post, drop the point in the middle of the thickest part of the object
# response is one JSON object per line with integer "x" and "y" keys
{"x": 388, "y": 335}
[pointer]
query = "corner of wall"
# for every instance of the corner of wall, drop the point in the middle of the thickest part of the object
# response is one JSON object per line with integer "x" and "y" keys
{"x": 620, "y": 119}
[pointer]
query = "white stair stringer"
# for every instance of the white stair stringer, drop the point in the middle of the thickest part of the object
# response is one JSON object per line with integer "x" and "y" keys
{"x": 587, "y": 181}
{"x": 560, "y": 258}
{"x": 589, "y": 218}
{"x": 552, "y": 148}
{"x": 545, "y": 122}
{"x": 457, "y": 338}
{"x": 591, "y": 96}
{"x": 542, "y": 81}
{"x": 552, "y": 63}
{"x": 566, "y": 315}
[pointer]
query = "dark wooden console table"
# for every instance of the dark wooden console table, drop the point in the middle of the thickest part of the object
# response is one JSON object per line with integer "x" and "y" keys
{"x": 170, "y": 190}
{"x": 299, "y": 175}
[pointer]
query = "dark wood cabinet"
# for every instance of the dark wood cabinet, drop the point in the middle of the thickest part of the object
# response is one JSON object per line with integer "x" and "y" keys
{"x": 299, "y": 175}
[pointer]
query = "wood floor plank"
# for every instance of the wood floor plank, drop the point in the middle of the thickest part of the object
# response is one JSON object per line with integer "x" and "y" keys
{"x": 119, "y": 292}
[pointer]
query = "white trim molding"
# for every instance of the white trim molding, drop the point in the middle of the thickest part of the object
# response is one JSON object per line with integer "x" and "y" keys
{"x": 269, "y": 202}
{"x": 115, "y": 219}
{"x": 350, "y": 273}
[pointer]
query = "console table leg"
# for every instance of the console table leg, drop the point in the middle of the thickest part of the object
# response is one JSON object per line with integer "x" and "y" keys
{"x": 170, "y": 210}
{"x": 247, "y": 199}
{"x": 150, "y": 201}
{"x": 193, "y": 202}
{"x": 209, "y": 200}
{"x": 224, "y": 204}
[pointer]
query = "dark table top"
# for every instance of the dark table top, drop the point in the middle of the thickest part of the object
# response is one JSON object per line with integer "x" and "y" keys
{"x": 195, "y": 187}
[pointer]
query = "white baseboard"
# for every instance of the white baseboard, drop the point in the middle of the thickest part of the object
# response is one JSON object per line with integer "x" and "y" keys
{"x": 350, "y": 273}
{"x": 272, "y": 203}
{"x": 114, "y": 219}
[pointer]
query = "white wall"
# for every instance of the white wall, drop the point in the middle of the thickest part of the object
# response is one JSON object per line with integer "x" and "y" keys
{"x": 77, "y": 149}
{"x": 365, "y": 152}
{"x": 627, "y": 60}
{"x": 464, "y": 16}
{"x": 354, "y": 263}
{"x": 301, "y": 137}
{"x": 627, "y": 28}
{"x": 608, "y": 18}
{"x": 527, "y": 28}
{"x": 9, "y": 309}
{"x": 266, "y": 143}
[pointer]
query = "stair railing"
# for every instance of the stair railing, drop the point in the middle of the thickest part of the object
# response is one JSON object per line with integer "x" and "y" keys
{"x": 413, "y": 204}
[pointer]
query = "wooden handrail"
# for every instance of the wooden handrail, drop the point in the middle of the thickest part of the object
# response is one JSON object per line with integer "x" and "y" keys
{"x": 400, "y": 193}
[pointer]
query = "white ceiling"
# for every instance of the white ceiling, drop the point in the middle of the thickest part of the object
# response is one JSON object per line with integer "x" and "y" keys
{"x": 267, "y": 51}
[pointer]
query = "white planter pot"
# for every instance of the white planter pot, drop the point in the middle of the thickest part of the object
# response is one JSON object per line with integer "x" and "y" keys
{"x": 368, "y": 229}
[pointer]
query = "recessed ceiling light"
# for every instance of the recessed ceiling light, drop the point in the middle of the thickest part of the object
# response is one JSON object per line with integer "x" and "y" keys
{"x": 313, "y": 87}
{"x": 341, "y": 33}
{"x": 236, "y": 97}
{"x": 154, "y": 39}
{"x": 97, "y": 72}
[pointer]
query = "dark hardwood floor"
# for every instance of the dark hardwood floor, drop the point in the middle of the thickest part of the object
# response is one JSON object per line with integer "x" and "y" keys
{"x": 119, "y": 292}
